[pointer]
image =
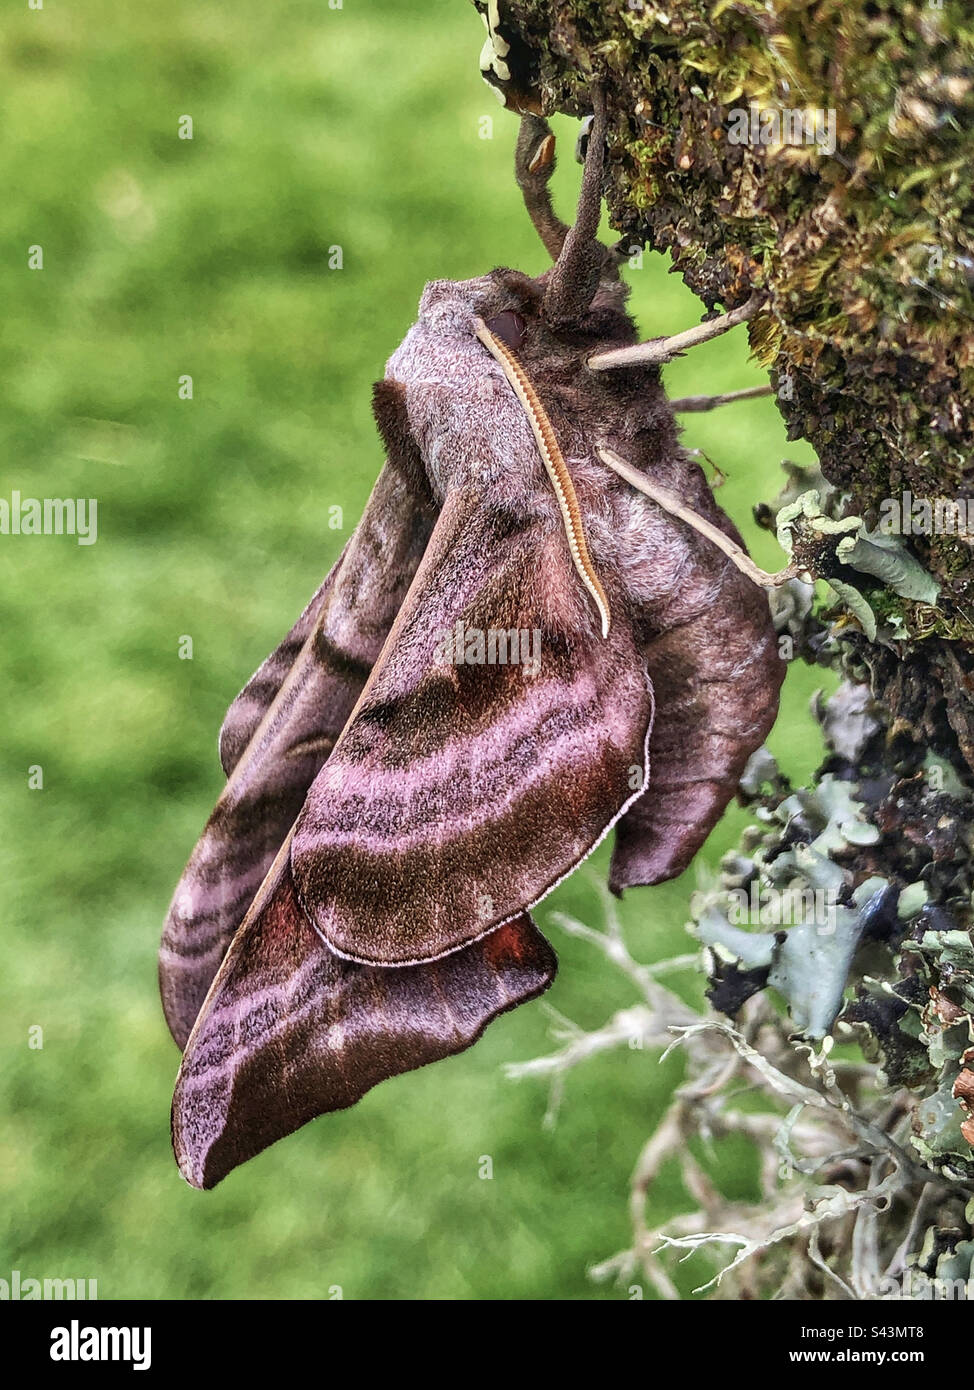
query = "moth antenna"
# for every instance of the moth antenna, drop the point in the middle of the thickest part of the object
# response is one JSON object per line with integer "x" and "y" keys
{"x": 661, "y": 350}
{"x": 689, "y": 405}
{"x": 555, "y": 466}
{"x": 534, "y": 163}
{"x": 671, "y": 503}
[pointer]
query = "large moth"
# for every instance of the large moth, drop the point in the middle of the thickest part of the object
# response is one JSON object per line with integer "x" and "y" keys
{"x": 358, "y": 904}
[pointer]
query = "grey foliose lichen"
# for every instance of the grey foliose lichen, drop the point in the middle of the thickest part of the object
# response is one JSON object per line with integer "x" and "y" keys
{"x": 851, "y": 899}
{"x": 852, "y": 559}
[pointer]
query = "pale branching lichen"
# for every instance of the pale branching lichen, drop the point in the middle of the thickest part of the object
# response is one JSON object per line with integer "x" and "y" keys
{"x": 839, "y": 950}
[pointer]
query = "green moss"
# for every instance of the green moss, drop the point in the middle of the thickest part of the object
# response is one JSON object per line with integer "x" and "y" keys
{"x": 866, "y": 254}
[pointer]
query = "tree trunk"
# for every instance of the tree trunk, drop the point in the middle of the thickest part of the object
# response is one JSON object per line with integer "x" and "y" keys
{"x": 818, "y": 154}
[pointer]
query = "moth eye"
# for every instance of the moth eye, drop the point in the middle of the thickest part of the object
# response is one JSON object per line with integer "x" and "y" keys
{"x": 509, "y": 327}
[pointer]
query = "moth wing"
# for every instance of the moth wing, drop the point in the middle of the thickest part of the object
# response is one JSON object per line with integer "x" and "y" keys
{"x": 283, "y": 726}
{"x": 461, "y": 791}
{"x": 716, "y": 675}
{"x": 244, "y": 716}
{"x": 290, "y": 1031}
{"x": 363, "y": 589}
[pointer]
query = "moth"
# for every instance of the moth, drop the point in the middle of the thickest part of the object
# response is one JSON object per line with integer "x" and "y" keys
{"x": 359, "y": 902}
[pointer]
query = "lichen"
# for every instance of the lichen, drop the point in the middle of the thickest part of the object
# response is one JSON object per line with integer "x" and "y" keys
{"x": 883, "y": 950}
{"x": 861, "y": 242}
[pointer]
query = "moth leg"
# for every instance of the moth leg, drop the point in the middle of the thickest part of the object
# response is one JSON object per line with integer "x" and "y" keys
{"x": 689, "y": 405}
{"x": 658, "y": 351}
{"x": 581, "y": 144}
{"x": 534, "y": 163}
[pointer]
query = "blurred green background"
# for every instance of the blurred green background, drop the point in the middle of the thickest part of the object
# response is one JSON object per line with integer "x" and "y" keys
{"x": 313, "y": 127}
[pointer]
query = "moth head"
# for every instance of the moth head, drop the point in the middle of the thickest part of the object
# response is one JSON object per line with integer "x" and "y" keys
{"x": 443, "y": 346}
{"x": 510, "y": 326}
{"x": 581, "y": 298}
{"x": 514, "y": 308}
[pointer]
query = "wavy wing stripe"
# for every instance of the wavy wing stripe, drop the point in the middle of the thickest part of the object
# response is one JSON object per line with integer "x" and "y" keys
{"x": 242, "y": 836}
{"x": 457, "y": 797}
{"x": 451, "y": 792}
{"x": 363, "y": 613}
{"x": 290, "y": 1031}
{"x": 296, "y": 732}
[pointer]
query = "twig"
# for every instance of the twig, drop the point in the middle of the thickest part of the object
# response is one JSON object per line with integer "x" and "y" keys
{"x": 661, "y": 350}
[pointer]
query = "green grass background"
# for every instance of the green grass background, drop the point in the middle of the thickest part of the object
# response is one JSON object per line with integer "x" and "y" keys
{"x": 313, "y": 127}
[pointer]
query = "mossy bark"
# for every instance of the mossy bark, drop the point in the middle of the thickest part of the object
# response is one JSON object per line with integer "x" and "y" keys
{"x": 865, "y": 252}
